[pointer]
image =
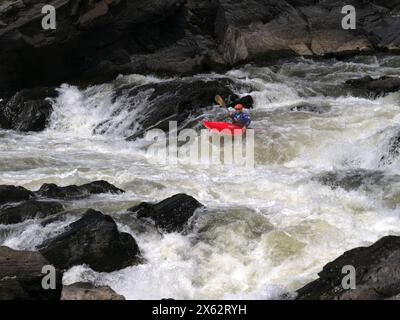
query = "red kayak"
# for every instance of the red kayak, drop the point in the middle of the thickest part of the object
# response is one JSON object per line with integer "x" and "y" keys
{"x": 224, "y": 128}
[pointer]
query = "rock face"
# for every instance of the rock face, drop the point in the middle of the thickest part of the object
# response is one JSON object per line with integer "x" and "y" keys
{"x": 14, "y": 194}
{"x": 88, "y": 291}
{"x": 27, "y": 110}
{"x": 103, "y": 38}
{"x": 93, "y": 240}
{"x": 173, "y": 100}
{"x": 377, "y": 274}
{"x": 21, "y": 276}
{"x": 375, "y": 86}
{"x": 76, "y": 192}
{"x": 170, "y": 215}
{"x": 29, "y": 210}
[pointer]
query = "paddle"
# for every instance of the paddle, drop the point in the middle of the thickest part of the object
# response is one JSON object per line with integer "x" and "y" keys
{"x": 220, "y": 101}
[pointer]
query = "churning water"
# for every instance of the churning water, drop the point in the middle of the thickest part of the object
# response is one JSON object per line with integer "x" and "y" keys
{"x": 267, "y": 231}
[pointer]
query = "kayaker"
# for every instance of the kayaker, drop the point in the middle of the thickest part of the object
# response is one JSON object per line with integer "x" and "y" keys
{"x": 246, "y": 101}
{"x": 238, "y": 117}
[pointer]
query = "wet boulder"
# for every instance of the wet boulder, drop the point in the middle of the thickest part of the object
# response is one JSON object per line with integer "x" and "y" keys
{"x": 77, "y": 192}
{"x": 377, "y": 271}
{"x": 88, "y": 291}
{"x": 21, "y": 276}
{"x": 14, "y": 194}
{"x": 348, "y": 180}
{"x": 369, "y": 85}
{"x": 175, "y": 100}
{"x": 310, "y": 108}
{"x": 170, "y": 215}
{"x": 27, "y": 110}
{"x": 29, "y": 210}
{"x": 93, "y": 240}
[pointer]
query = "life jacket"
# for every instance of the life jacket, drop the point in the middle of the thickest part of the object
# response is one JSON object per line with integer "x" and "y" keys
{"x": 242, "y": 119}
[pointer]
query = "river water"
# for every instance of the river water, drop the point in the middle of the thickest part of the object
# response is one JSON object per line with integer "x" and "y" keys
{"x": 267, "y": 231}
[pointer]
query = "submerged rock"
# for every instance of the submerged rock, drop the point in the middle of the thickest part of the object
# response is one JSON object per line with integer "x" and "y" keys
{"x": 14, "y": 194}
{"x": 377, "y": 274}
{"x": 393, "y": 150}
{"x": 307, "y": 107}
{"x": 356, "y": 179}
{"x": 29, "y": 210}
{"x": 376, "y": 86}
{"x": 76, "y": 192}
{"x": 27, "y": 110}
{"x": 93, "y": 240}
{"x": 170, "y": 215}
{"x": 21, "y": 276}
{"x": 88, "y": 291}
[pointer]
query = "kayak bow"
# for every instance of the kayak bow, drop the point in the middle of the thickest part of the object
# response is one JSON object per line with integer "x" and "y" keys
{"x": 224, "y": 128}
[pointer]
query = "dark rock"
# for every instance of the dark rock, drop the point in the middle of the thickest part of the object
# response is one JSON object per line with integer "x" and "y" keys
{"x": 88, "y": 291}
{"x": 96, "y": 40}
{"x": 356, "y": 179}
{"x": 27, "y": 110}
{"x": 393, "y": 150}
{"x": 246, "y": 101}
{"x": 77, "y": 192}
{"x": 306, "y": 107}
{"x": 200, "y": 16}
{"x": 58, "y": 217}
{"x": 28, "y": 210}
{"x": 14, "y": 194}
{"x": 376, "y": 86}
{"x": 86, "y": 35}
{"x": 170, "y": 215}
{"x": 377, "y": 274}
{"x": 21, "y": 276}
{"x": 174, "y": 100}
{"x": 93, "y": 240}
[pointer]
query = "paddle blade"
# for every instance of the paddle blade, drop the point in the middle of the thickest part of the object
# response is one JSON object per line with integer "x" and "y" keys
{"x": 220, "y": 101}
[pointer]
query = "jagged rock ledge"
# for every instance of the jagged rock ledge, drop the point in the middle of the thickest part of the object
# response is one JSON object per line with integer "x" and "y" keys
{"x": 88, "y": 291}
{"x": 377, "y": 271}
{"x": 18, "y": 204}
{"x": 375, "y": 86}
{"x": 95, "y": 41}
{"x": 93, "y": 240}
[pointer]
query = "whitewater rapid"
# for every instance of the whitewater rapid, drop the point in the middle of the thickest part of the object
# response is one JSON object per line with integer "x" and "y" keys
{"x": 267, "y": 231}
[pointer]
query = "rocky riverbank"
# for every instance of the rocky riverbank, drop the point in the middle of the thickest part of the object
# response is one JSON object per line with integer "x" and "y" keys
{"x": 93, "y": 240}
{"x": 96, "y": 41}
{"x": 377, "y": 274}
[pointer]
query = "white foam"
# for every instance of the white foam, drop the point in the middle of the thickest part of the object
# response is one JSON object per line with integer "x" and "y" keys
{"x": 268, "y": 230}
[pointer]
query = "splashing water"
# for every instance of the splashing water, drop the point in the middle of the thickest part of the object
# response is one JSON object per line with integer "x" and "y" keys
{"x": 267, "y": 231}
